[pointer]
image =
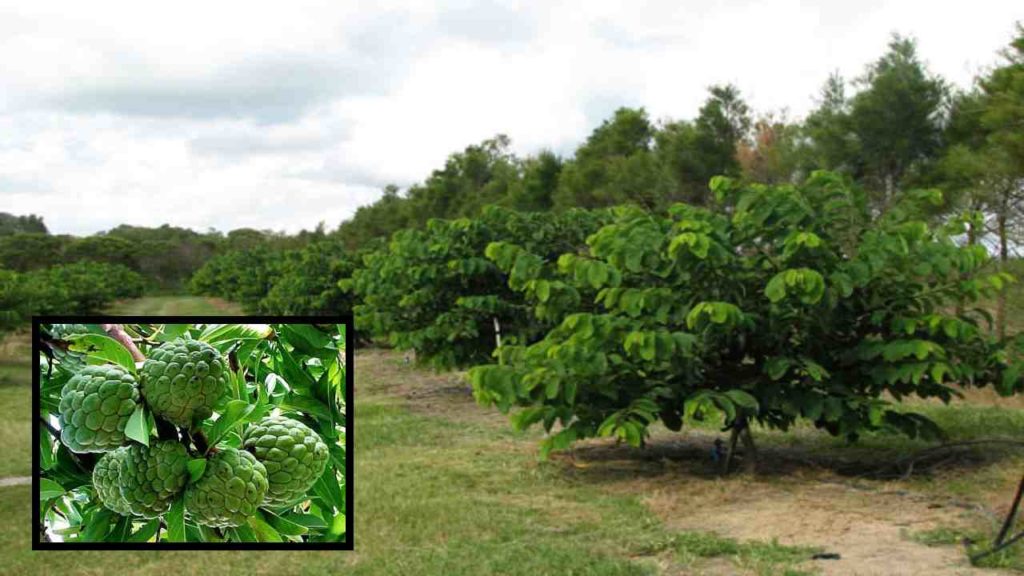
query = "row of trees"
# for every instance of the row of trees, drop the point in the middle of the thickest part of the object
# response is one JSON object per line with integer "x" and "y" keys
{"x": 270, "y": 279}
{"x": 166, "y": 256}
{"x": 78, "y": 288}
{"x": 770, "y": 304}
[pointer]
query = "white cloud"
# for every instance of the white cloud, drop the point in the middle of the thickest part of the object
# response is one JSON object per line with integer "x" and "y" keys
{"x": 280, "y": 115}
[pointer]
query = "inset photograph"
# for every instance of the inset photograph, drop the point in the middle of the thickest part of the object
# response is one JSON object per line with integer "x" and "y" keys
{"x": 194, "y": 434}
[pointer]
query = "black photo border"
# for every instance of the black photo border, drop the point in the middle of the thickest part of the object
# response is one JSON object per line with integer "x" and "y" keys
{"x": 347, "y": 544}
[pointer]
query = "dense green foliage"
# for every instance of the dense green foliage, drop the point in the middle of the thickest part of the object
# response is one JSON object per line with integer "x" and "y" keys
{"x": 433, "y": 291}
{"x": 780, "y": 302}
{"x": 80, "y": 288}
{"x": 191, "y": 478}
{"x": 301, "y": 281}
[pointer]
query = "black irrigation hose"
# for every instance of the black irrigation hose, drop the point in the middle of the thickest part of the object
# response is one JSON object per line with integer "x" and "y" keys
{"x": 998, "y": 548}
{"x": 1001, "y": 543}
{"x": 1013, "y": 513}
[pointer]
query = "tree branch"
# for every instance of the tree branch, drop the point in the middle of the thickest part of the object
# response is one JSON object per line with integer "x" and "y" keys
{"x": 50, "y": 428}
{"x": 116, "y": 331}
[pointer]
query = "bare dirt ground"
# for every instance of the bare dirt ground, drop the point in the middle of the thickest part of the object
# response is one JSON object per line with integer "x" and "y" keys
{"x": 792, "y": 499}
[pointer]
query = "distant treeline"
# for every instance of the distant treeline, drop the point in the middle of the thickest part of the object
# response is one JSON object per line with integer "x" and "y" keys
{"x": 894, "y": 128}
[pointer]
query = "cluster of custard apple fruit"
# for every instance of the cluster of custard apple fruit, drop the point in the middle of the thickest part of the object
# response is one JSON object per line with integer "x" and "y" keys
{"x": 180, "y": 382}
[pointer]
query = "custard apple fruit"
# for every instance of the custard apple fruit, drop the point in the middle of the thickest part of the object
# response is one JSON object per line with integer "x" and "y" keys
{"x": 293, "y": 454}
{"x": 95, "y": 405}
{"x": 61, "y": 331}
{"x": 183, "y": 379}
{"x": 106, "y": 478}
{"x": 230, "y": 490}
{"x": 151, "y": 477}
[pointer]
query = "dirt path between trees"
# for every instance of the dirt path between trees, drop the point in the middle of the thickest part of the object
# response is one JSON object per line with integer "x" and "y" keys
{"x": 15, "y": 481}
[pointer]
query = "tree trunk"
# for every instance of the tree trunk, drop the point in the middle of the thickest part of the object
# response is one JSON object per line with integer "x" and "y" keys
{"x": 972, "y": 239}
{"x": 1004, "y": 257}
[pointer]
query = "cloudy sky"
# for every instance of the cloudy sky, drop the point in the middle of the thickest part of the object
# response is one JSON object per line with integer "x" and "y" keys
{"x": 280, "y": 115}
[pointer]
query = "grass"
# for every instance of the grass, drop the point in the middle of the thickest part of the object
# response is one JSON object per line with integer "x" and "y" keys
{"x": 439, "y": 496}
{"x": 16, "y": 430}
{"x": 1011, "y": 558}
{"x": 439, "y": 493}
{"x": 175, "y": 306}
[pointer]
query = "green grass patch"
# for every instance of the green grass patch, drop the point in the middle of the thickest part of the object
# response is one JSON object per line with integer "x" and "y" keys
{"x": 16, "y": 430}
{"x": 1011, "y": 558}
{"x": 175, "y": 306}
{"x": 767, "y": 558}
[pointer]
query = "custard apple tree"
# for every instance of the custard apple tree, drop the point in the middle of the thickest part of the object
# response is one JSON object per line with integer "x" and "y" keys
{"x": 192, "y": 433}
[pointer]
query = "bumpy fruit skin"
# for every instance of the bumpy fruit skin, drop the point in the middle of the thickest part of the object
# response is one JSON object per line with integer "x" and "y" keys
{"x": 183, "y": 379}
{"x": 152, "y": 477}
{"x": 230, "y": 490}
{"x": 95, "y": 405}
{"x": 61, "y": 331}
{"x": 293, "y": 454}
{"x": 106, "y": 478}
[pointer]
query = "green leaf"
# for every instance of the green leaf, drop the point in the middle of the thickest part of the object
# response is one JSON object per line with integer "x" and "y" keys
{"x": 338, "y": 526}
{"x": 264, "y": 532}
{"x": 100, "y": 349}
{"x": 243, "y": 533}
{"x": 777, "y": 367}
{"x": 46, "y": 457}
{"x": 137, "y": 428}
{"x": 776, "y": 289}
{"x": 743, "y": 399}
{"x": 543, "y": 290}
{"x": 283, "y": 525}
{"x": 233, "y": 415}
{"x": 307, "y": 339}
{"x": 97, "y": 525}
{"x": 215, "y": 333}
{"x": 306, "y": 405}
{"x": 310, "y": 521}
{"x": 175, "y": 519}
{"x": 171, "y": 331}
{"x": 146, "y": 532}
{"x": 196, "y": 467}
{"x": 49, "y": 489}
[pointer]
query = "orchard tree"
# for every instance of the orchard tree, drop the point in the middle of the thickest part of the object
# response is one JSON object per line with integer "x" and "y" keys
{"x": 109, "y": 249}
{"x": 307, "y": 281}
{"x": 779, "y": 303}
{"x": 434, "y": 291}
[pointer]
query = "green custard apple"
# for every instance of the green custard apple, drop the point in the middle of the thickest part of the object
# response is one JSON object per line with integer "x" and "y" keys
{"x": 106, "y": 478}
{"x": 230, "y": 490}
{"x": 95, "y": 405}
{"x": 61, "y": 331}
{"x": 151, "y": 477}
{"x": 293, "y": 454}
{"x": 183, "y": 379}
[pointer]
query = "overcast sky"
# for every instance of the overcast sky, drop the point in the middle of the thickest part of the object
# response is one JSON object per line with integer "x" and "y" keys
{"x": 280, "y": 115}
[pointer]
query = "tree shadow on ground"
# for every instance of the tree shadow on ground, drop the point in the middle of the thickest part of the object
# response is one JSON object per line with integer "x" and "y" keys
{"x": 692, "y": 455}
